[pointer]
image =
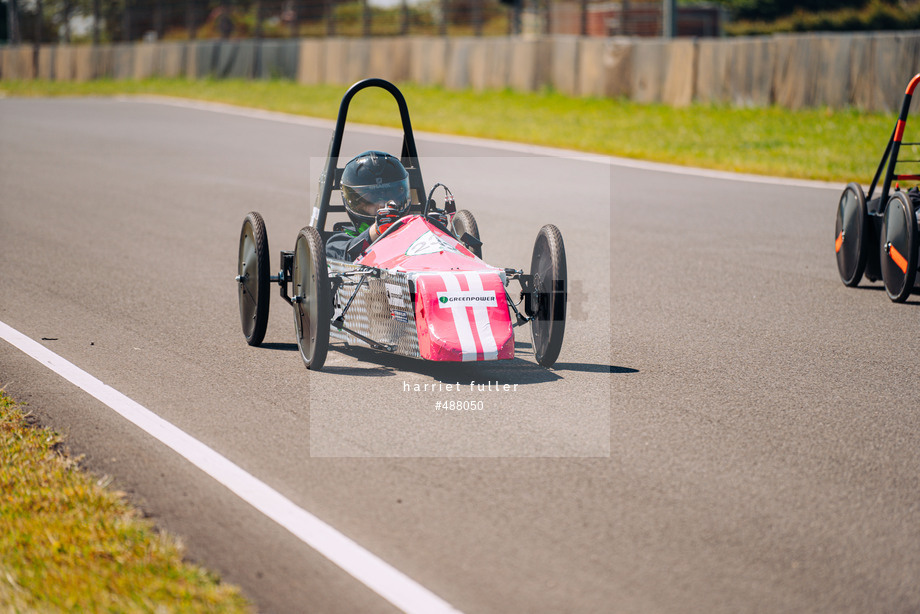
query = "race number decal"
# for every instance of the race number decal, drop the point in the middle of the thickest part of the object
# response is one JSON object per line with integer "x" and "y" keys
{"x": 429, "y": 243}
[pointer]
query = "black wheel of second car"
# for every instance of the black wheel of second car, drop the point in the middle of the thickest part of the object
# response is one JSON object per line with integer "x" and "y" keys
{"x": 464, "y": 222}
{"x": 898, "y": 252}
{"x": 548, "y": 269}
{"x": 253, "y": 278}
{"x": 311, "y": 296}
{"x": 851, "y": 234}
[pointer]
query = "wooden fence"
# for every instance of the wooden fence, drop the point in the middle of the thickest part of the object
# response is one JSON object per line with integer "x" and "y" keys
{"x": 866, "y": 71}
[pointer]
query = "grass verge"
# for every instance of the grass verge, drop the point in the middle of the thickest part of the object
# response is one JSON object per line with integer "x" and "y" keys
{"x": 825, "y": 144}
{"x": 68, "y": 544}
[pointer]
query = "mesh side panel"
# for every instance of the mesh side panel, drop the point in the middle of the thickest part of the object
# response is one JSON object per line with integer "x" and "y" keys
{"x": 377, "y": 310}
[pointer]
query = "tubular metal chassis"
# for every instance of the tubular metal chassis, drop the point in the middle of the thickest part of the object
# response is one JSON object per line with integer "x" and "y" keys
{"x": 362, "y": 297}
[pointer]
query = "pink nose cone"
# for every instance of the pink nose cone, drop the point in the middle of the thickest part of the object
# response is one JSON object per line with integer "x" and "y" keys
{"x": 463, "y": 316}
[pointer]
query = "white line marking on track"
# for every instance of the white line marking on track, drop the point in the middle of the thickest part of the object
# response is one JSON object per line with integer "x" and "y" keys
{"x": 388, "y": 582}
{"x": 522, "y": 148}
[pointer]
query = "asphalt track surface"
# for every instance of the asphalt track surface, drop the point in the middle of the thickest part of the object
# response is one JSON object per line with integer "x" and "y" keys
{"x": 728, "y": 428}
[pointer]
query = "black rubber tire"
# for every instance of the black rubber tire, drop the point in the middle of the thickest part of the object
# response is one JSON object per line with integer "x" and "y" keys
{"x": 253, "y": 278}
{"x": 549, "y": 277}
{"x": 851, "y": 235}
{"x": 465, "y": 222}
{"x": 312, "y": 302}
{"x": 898, "y": 252}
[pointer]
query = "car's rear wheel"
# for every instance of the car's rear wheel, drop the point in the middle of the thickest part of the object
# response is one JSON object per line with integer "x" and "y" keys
{"x": 898, "y": 252}
{"x": 850, "y": 235}
{"x": 464, "y": 222}
{"x": 312, "y": 302}
{"x": 253, "y": 278}
{"x": 548, "y": 269}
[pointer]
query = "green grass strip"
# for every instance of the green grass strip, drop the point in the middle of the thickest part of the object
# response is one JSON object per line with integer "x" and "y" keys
{"x": 67, "y": 544}
{"x": 825, "y": 144}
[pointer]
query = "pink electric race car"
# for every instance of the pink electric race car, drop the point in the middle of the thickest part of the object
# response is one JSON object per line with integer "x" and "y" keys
{"x": 420, "y": 290}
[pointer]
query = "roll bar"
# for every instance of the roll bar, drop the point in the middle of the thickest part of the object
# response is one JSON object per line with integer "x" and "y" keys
{"x": 894, "y": 145}
{"x": 332, "y": 175}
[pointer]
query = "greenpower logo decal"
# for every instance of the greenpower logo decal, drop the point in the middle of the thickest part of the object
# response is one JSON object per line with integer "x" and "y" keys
{"x": 463, "y": 299}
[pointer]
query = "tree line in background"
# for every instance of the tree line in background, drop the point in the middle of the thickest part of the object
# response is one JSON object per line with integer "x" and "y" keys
{"x": 102, "y": 21}
{"x": 769, "y": 10}
{"x": 751, "y": 17}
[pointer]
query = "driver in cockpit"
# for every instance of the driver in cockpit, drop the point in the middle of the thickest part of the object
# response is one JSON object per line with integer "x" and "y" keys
{"x": 375, "y": 188}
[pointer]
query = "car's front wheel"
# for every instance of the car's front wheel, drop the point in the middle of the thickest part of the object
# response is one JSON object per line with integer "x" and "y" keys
{"x": 253, "y": 278}
{"x": 311, "y": 298}
{"x": 464, "y": 222}
{"x": 548, "y": 269}
{"x": 899, "y": 247}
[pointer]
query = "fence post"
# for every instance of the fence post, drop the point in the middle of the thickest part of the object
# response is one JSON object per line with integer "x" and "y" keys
{"x": 294, "y": 15}
{"x": 442, "y": 27}
{"x": 225, "y": 21}
{"x": 477, "y": 17}
{"x": 258, "y": 30}
{"x": 158, "y": 19}
{"x": 12, "y": 11}
{"x": 668, "y": 18}
{"x": 365, "y": 18}
{"x": 330, "y": 18}
{"x": 97, "y": 16}
{"x": 189, "y": 18}
{"x": 126, "y": 22}
{"x": 38, "y": 36}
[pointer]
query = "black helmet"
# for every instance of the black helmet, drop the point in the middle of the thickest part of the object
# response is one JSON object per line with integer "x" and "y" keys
{"x": 370, "y": 181}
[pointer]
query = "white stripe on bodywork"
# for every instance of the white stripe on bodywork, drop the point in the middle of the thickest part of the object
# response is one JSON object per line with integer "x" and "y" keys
{"x": 461, "y": 321}
{"x": 483, "y": 322}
